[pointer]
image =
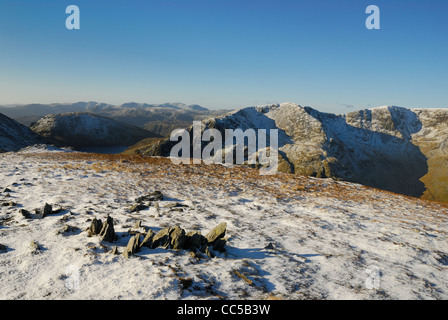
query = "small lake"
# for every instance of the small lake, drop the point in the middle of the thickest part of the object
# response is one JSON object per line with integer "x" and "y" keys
{"x": 102, "y": 149}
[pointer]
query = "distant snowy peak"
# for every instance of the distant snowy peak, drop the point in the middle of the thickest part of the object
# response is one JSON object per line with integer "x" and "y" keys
{"x": 15, "y": 136}
{"x": 175, "y": 105}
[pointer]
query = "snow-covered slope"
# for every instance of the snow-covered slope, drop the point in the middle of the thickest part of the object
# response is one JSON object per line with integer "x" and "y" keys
{"x": 15, "y": 136}
{"x": 392, "y": 148}
{"x": 289, "y": 237}
{"x": 84, "y": 129}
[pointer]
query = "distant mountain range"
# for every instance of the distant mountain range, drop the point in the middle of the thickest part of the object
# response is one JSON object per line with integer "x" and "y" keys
{"x": 158, "y": 118}
{"x": 392, "y": 148}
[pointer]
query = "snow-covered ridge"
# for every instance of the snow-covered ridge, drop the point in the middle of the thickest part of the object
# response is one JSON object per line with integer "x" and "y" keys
{"x": 393, "y": 148}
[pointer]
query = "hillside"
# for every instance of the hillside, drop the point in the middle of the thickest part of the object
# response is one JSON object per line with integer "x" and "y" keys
{"x": 83, "y": 129}
{"x": 391, "y": 148}
{"x": 15, "y": 136}
{"x": 287, "y": 236}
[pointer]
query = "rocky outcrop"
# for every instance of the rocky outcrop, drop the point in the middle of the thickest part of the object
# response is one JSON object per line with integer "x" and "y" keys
{"x": 153, "y": 196}
{"x": 148, "y": 240}
{"x": 195, "y": 241}
{"x": 47, "y": 210}
{"x": 177, "y": 238}
{"x": 216, "y": 236}
{"x": 162, "y": 238}
{"x": 95, "y": 227}
{"x": 107, "y": 233}
{"x": 133, "y": 246}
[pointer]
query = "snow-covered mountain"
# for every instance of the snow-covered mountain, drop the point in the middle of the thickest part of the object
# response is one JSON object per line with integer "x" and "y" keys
{"x": 171, "y": 105}
{"x": 84, "y": 129}
{"x": 393, "y": 148}
{"x": 15, "y": 136}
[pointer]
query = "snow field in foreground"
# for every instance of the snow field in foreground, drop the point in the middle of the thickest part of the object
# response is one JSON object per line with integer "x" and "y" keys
{"x": 329, "y": 239}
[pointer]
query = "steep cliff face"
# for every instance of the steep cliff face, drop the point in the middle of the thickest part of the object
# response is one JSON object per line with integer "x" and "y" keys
{"x": 15, "y": 136}
{"x": 84, "y": 129}
{"x": 392, "y": 148}
{"x": 432, "y": 140}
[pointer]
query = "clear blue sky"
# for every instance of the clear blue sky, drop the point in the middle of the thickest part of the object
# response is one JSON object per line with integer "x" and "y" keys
{"x": 226, "y": 53}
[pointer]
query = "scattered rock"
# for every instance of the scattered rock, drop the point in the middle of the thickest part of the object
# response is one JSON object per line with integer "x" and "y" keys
{"x": 138, "y": 207}
{"x": 177, "y": 238}
{"x": 133, "y": 246}
{"x": 162, "y": 238}
{"x": 35, "y": 247}
{"x": 64, "y": 218}
{"x": 148, "y": 240}
{"x": 48, "y": 209}
{"x": 67, "y": 230}
{"x": 9, "y": 204}
{"x": 115, "y": 250}
{"x": 170, "y": 237}
{"x": 25, "y": 213}
{"x": 59, "y": 210}
{"x": 38, "y": 214}
{"x": 133, "y": 232}
{"x": 138, "y": 224}
{"x": 175, "y": 205}
{"x": 95, "y": 227}
{"x": 216, "y": 233}
{"x": 7, "y": 190}
{"x": 270, "y": 246}
{"x": 208, "y": 253}
{"x": 108, "y": 232}
{"x": 174, "y": 238}
{"x": 219, "y": 245}
{"x": 3, "y": 248}
{"x": 154, "y": 196}
{"x": 195, "y": 241}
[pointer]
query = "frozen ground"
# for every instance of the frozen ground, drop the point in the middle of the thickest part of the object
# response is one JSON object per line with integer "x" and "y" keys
{"x": 325, "y": 239}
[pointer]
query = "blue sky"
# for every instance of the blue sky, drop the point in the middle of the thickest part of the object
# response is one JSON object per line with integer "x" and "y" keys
{"x": 226, "y": 53}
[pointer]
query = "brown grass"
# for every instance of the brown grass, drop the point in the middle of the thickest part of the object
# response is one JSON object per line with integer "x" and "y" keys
{"x": 282, "y": 186}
